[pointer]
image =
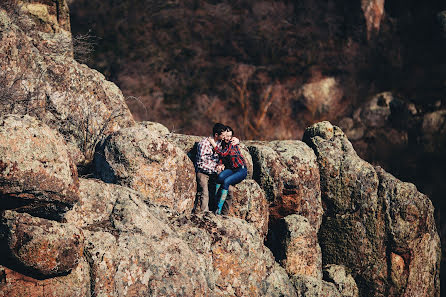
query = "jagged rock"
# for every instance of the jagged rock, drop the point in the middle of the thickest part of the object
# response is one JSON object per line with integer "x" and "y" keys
{"x": 158, "y": 252}
{"x": 188, "y": 143}
{"x": 96, "y": 202}
{"x": 373, "y": 13}
{"x": 288, "y": 173}
{"x": 344, "y": 282}
{"x": 75, "y": 284}
{"x": 413, "y": 241}
{"x": 249, "y": 203}
{"x": 37, "y": 174}
{"x": 42, "y": 247}
{"x": 43, "y": 80}
{"x": 362, "y": 221}
{"x": 227, "y": 243}
{"x": 294, "y": 243}
{"x": 308, "y": 286}
{"x": 139, "y": 158}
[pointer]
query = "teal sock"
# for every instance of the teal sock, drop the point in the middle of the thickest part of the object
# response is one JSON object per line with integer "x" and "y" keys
{"x": 217, "y": 186}
{"x": 224, "y": 194}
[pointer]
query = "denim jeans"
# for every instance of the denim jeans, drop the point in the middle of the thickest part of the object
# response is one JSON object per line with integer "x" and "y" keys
{"x": 230, "y": 177}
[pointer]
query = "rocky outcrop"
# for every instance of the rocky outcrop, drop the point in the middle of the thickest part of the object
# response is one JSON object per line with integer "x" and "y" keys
{"x": 37, "y": 174}
{"x": 288, "y": 173}
{"x": 141, "y": 159}
{"x": 40, "y": 77}
{"x": 41, "y": 247}
{"x": 363, "y": 218}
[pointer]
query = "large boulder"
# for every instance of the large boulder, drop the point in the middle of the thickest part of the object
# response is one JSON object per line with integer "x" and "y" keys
{"x": 143, "y": 160}
{"x": 37, "y": 174}
{"x": 288, "y": 173}
{"x": 360, "y": 217}
{"x": 75, "y": 284}
{"x": 41, "y": 247}
{"x": 308, "y": 286}
{"x": 40, "y": 77}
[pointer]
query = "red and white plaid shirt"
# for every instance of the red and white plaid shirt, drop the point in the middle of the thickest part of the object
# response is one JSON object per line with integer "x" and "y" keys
{"x": 206, "y": 159}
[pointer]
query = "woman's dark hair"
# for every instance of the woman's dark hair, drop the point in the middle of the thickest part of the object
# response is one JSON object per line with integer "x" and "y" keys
{"x": 228, "y": 128}
{"x": 218, "y": 129}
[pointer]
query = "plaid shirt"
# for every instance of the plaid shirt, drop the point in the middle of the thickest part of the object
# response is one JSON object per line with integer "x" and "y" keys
{"x": 206, "y": 158}
{"x": 230, "y": 156}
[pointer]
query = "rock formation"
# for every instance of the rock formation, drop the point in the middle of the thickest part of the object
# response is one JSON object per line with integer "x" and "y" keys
{"x": 334, "y": 224}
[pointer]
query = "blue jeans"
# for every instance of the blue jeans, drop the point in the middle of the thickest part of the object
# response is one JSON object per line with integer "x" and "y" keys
{"x": 230, "y": 177}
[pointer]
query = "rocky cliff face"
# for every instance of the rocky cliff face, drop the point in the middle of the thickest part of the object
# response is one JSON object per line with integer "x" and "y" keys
{"x": 311, "y": 219}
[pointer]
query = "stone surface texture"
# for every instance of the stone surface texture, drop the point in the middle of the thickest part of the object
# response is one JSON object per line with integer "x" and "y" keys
{"x": 36, "y": 170}
{"x": 143, "y": 160}
{"x": 288, "y": 173}
{"x": 367, "y": 215}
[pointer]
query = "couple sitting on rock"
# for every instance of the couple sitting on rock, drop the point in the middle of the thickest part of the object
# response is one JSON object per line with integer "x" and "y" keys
{"x": 218, "y": 161}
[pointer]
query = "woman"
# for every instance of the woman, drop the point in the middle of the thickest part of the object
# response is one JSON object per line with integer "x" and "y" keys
{"x": 235, "y": 165}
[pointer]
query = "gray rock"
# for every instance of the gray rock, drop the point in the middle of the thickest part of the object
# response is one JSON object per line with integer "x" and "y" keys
{"x": 37, "y": 174}
{"x": 141, "y": 159}
{"x": 45, "y": 248}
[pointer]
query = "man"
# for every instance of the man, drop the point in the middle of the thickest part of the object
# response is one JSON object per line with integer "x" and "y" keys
{"x": 206, "y": 165}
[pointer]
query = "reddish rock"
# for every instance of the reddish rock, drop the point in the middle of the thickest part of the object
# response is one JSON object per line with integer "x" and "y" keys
{"x": 36, "y": 171}
{"x": 143, "y": 160}
{"x": 75, "y": 284}
{"x": 46, "y": 248}
{"x": 288, "y": 173}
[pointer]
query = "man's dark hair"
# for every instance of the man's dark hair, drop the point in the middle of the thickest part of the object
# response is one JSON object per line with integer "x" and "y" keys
{"x": 218, "y": 129}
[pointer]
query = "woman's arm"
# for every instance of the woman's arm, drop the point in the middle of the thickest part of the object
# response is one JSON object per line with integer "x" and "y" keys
{"x": 221, "y": 152}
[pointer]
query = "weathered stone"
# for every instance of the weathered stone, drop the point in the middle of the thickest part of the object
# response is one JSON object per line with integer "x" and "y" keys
{"x": 158, "y": 252}
{"x": 353, "y": 231}
{"x": 96, "y": 202}
{"x": 294, "y": 243}
{"x": 413, "y": 239}
{"x": 344, "y": 282}
{"x": 142, "y": 160}
{"x": 373, "y": 13}
{"x": 308, "y": 286}
{"x": 75, "y": 284}
{"x": 155, "y": 127}
{"x": 227, "y": 244}
{"x": 249, "y": 203}
{"x": 369, "y": 213}
{"x": 288, "y": 173}
{"x": 43, "y": 80}
{"x": 37, "y": 174}
{"x": 45, "y": 248}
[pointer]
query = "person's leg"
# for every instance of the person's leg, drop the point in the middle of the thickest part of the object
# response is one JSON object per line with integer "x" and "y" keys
{"x": 203, "y": 192}
{"x": 224, "y": 192}
{"x": 233, "y": 179}
{"x": 228, "y": 201}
